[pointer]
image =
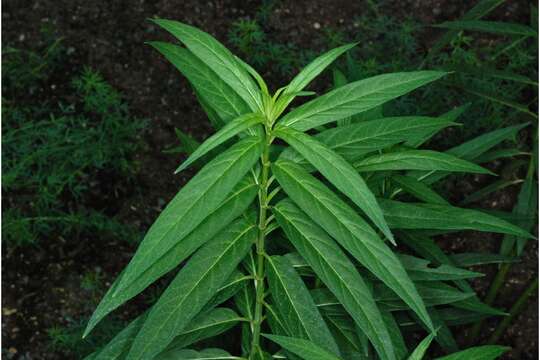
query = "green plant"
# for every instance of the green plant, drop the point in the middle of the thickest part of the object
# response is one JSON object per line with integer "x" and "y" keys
{"x": 288, "y": 234}
{"x": 56, "y": 148}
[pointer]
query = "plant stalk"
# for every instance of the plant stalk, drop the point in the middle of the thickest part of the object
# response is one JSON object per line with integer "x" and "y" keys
{"x": 259, "y": 277}
{"x": 490, "y": 297}
{"x": 514, "y": 311}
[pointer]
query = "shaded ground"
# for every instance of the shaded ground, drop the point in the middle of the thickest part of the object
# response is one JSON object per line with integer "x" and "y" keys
{"x": 41, "y": 285}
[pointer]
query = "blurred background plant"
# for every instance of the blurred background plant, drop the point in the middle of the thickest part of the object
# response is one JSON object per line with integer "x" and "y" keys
{"x": 56, "y": 150}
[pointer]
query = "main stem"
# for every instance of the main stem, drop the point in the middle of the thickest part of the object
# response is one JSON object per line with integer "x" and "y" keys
{"x": 259, "y": 277}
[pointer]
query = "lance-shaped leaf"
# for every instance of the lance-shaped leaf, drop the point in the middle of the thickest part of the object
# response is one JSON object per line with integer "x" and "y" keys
{"x": 235, "y": 204}
{"x": 346, "y": 334}
{"x": 314, "y": 68}
{"x": 420, "y": 350}
{"x": 217, "y": 57}
{"x": 350, "y": 230}
{"x": 526, "y": 205}
{"x": 494, "y": 27}
{"x": 303, "y": 348}
{"x": 188, "y": 354}
{"x": 339, "y": 172}
{"x": 486, "y": 352}
{"x": 418, "y": 189}
{"x": 295, "y": 305}
{"x": 192, "y": 288}
{"x": 210, "y": 87}
{"x": 118, "y": 347}
{"x": 474, "y": 259}
{"x": 402, "y": 215}
{"x": 472, "y": 149}
{"x": 420, "y": 270}
{"x": 416, "y": 140}
{"x": 433, "y": 294}
{"x": 231, "y": 129}
{"x": 354, "y": 141}
{"x": 307, "y": 74}
{"x": 336, "y": 271}
{"x": 194, "y": 202}
{"x": 418, "y": 160}
{"x": 205, "y": 325}
{"x": 398, "y": 342}
{"x": 426, "y": 247}
{"x": 355, "y": 98}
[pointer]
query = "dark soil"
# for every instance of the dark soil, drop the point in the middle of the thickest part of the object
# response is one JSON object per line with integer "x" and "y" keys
{"x": 41, "y": 284}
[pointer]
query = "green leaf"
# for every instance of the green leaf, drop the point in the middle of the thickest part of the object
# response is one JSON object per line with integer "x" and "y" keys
{"x": 498, "y": 154}
{"x": 472, "y": 149}
{"x": 303, "y": 348}
{"x": 120, "y": 344}
{"x": 307, "y": 74}
{"x": 482, "y": 8}
{"x": 416, "y": 140}
{"x": 194, "y": 202}
{"x": 420, "y": 350}
{"x": 209, "y": 86}
{"x": 418, "y": 160}
{"x": 187, "y": 144}
{"x": 233, "y": 206}
{"x": 420, "y": 270}
{"x": 400, "y": 348}
{"x": 485, "y": 191}
{"x": 527, "y": 204}
{"x": 339, "y": 172}
{"x": 486, "y": 352}
{"x": 354, "y": 141}
{"x": 345, "y": 333}
{"x": 336, "y": 271}
{"x": 356, "y": 97}
{"x": 216, "y": 57}
{"x": 188, "y": 354}
{"x": 402, "y": 215}
{"x": 432, "y": 293}
{"x": 231, "y": 129}
{"x": 192, "y": 288}
{"x": 314, "y": 68}
{"x": 493, "y": 27}
{"x": 295, "y": 305}
{"x": 473, "y": 259}
{"x": 205, "y": 325}
{"x": 418, "y": 189}
{"x": 349, "y": 229}
{"x": 501, "y": 100}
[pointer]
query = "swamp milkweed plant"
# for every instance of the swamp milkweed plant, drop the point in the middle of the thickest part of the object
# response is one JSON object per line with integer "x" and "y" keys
{"x": 287, "y": 238}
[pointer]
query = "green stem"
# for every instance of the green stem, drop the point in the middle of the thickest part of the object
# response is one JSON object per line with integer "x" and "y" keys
{"x": 259, "y": 277}
{"x": 490, "y": 297}
{"x": 514, "y": 311}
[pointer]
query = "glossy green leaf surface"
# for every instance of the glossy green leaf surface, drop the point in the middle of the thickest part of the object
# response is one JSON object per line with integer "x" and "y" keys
{"x": 356, "y": 97}
{"x": 194, "y": 285}
{"x": 210, "y": 87}
{"x": 217, "y": 57}
{"x": 237, "y": 201}
{"x": 418, "y": 189}
{"x": 194, "y": 202}
{"x": 418, "y": 160}
{"x": 403, "y": 215}
{"x": 339, "y": 172}
{"x": 295, "y": 305}
{"x": 234, "y": 127}
{"x": 336, "y": 271}
{"x": 303, "y": 348}
{"x": 354, "y": 141}
{"x": 349, "y": 230}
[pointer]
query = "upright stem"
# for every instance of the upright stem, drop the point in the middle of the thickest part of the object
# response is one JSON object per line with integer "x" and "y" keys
{"x": 259, "y": 277}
